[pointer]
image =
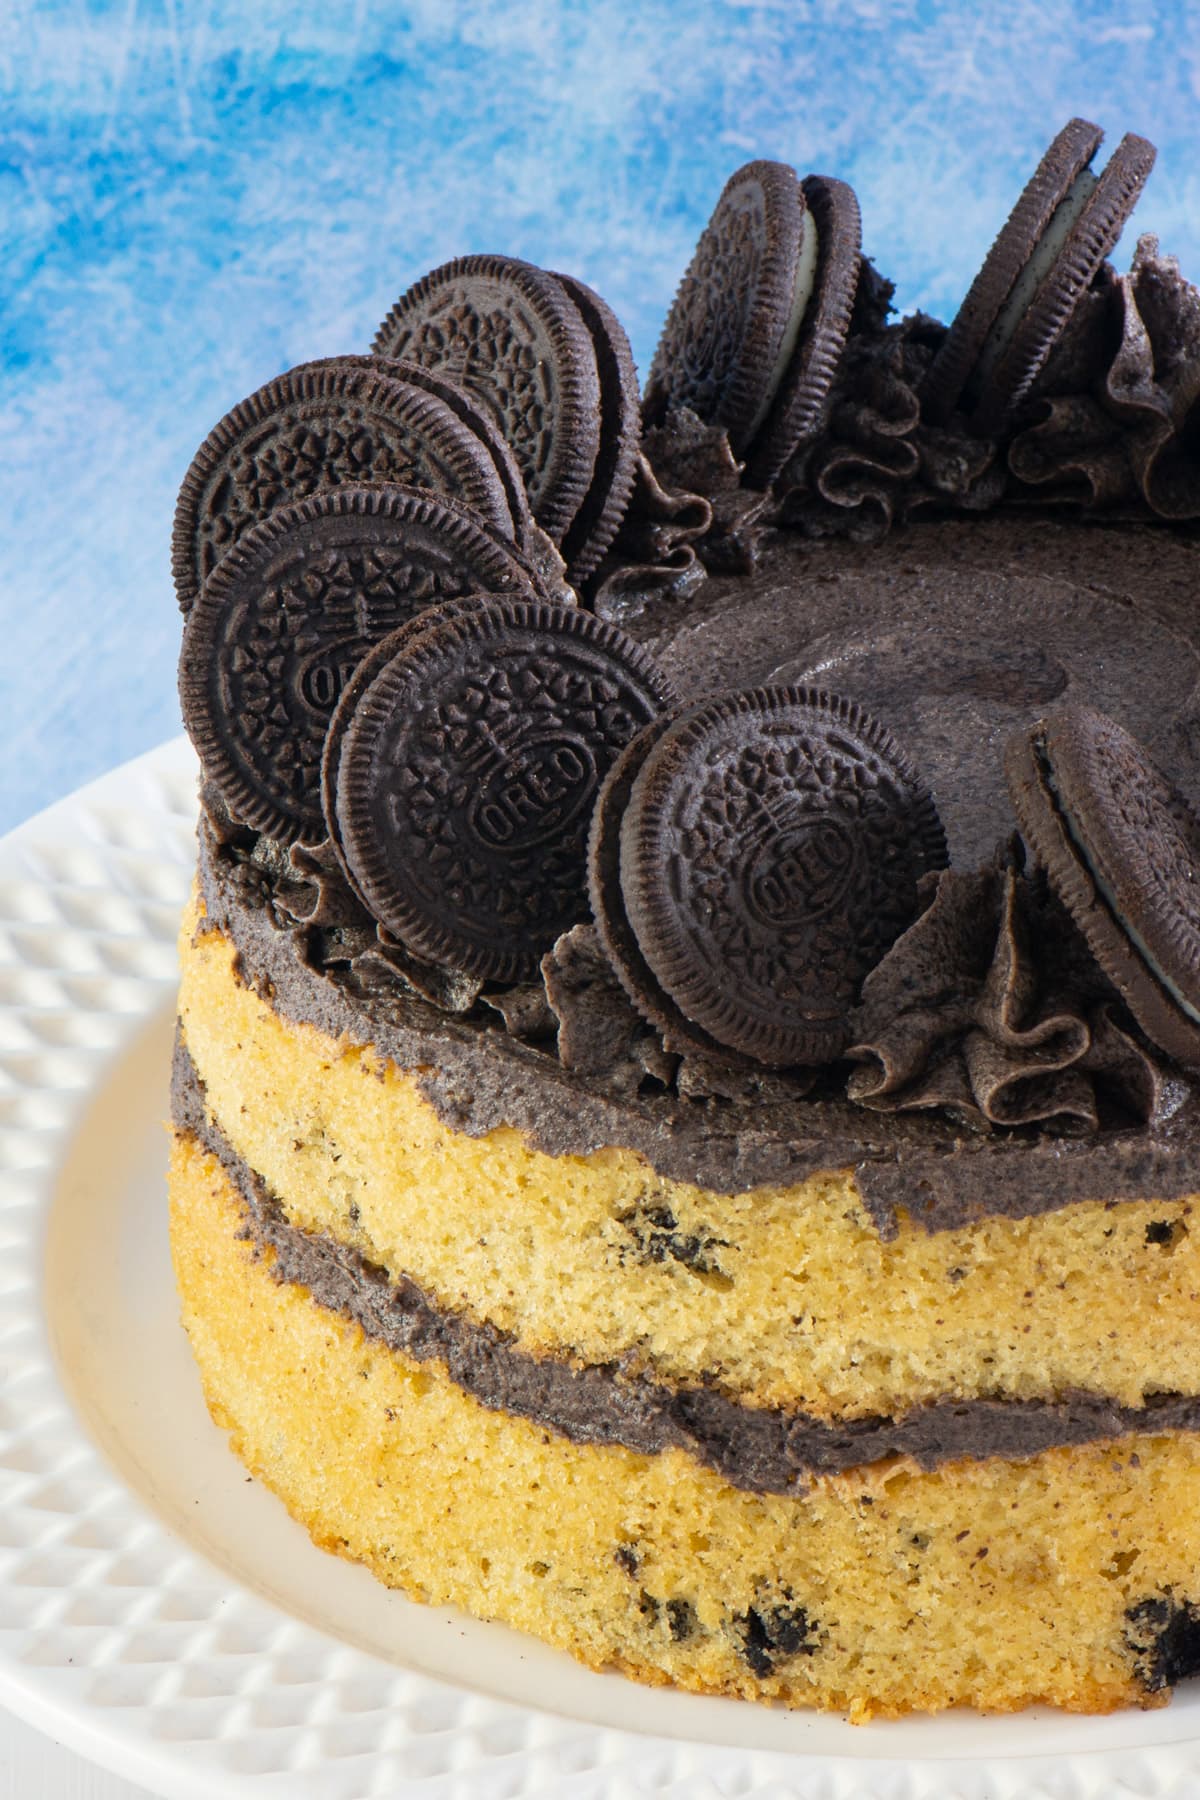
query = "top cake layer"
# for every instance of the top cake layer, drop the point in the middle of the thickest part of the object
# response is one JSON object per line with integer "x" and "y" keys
{"x": 412, "y": 688}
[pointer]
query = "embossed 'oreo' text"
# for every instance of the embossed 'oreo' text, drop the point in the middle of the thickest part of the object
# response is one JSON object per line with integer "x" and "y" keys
{"x": 798, "y": 870}
{"x": 533, "y": 790}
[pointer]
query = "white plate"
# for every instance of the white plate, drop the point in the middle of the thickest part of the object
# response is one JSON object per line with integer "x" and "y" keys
{"x": 159, "y": 1611}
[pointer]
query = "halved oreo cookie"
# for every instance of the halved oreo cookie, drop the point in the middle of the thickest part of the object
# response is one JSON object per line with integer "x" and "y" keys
{"x": 342, "y": 421}
{"x": 467, "y": 775}
{"x": 1121, "y": 848}
{"x": 596, "y": 523}
{"x": 511, "y": 335}
{"x": 768, "y": 853}
{"x": 798, "y": 408}
{"x": 286, "y": 617}
{"x": 736, "y": 317}
{"x": 1044, "y": 260}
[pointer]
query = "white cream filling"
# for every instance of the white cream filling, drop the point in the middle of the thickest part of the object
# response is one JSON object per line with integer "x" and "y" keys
{"x": 1045, "y": 254}
{"x": 802, "y": 290}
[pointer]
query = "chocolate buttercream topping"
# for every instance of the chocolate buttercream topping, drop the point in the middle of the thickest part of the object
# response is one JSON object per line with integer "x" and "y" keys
{"x": 728, "y": 1132}
{"x": 1111, "y": 427}
{"x": 762, "y": 1450}
{"x": 992, "y": 1009}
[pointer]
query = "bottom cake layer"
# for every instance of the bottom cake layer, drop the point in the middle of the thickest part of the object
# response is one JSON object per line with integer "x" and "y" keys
{"x": 1065, "y": 1578}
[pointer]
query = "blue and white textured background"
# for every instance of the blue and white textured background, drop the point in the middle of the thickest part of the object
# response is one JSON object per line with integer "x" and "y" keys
{"x": 195, "y": 194}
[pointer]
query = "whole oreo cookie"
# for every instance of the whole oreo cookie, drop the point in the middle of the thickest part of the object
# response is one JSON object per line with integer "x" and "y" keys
{"x": 1041, "y": 264}
{"x": 679, "y": 1033}
{"x": 286, "y": 617}
{"x": 769, "y": 854}
{"x": 343, "y": 421}
{"x": 736, "y": 317}
{"x": 603, "y": 507}
{"x": 512, "y": 336}
{"x": 468, "y": 772}
{"x": 1121, "y": 848}
{"x": 798, "y": 407}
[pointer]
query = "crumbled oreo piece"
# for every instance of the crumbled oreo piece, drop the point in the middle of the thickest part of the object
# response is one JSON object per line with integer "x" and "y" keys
{"x": 769, "y": 853}
{"x": 773, "y": 1634}
{"x": 336, "y": 423}
{"x": 286, "y": 616}
{"x": 798, "y": 409}
{"x": 603, "y": 507}
{"x": 468, "y": 773}
{"x": 511, "y": 335}
{"x": 1120, "y": 847}
{"x": 1162, "y": 1635}
{"x": 736, "y": 317}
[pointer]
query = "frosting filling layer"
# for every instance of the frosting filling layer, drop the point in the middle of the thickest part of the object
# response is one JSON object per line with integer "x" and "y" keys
{"x": 759, "y": 1449}
{"x": 477, "y": 1077}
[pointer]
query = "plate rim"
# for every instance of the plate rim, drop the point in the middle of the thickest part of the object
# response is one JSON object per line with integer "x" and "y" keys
{"x": 53, "y": 1092}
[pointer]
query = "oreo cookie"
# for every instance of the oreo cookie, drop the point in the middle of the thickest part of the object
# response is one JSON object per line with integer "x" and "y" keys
{"x": 752, "y": 861}
{"x": 510, "y": 334}
{"x": 467, "y": 774}
{"x": 1040, "y": 266}
{"x": 395, "y": 644}
{"x": 603, "y": 507}
{"x": 737, "y": 314}
{"x": 285, "y": 618}
{"x": 1121, "y": 848}
{"x": 680, "y": 1034}
{"x": 797, "y": 410}
{"x": 480, "y": 423}
{"x": 342, "y": 421}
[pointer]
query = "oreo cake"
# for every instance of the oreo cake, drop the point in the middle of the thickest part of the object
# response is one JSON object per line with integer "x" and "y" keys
{"x": 686, "y": 1114}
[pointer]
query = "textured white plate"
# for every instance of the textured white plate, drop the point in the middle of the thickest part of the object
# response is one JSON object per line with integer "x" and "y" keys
{"x": 159, "y": 1611}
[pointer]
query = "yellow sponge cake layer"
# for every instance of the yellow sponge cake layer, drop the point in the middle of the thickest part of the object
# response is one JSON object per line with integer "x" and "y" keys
{"x": 783, "y": 1296}
{"x": 1063, "y": 1578}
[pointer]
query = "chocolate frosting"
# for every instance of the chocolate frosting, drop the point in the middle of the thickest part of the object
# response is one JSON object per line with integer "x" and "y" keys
{"x": 763, "y": 1450}
{"x": 725, "y": 1131}
{"x": 991, "y": 1008}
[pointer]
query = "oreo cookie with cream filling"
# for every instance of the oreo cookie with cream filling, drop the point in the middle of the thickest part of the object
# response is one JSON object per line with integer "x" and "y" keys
{"x": 1043, "y": 261}
{"x": 467, "y": 774}
{"x": 736, "y": 317}
{"x": 1121, "y": 848}
{"x": 797, "y": 409}
{"x": 603, "y": 507}
{"x": 337, "y": 422}
{"x": 510, "y": 334}
{"x": 752, "y": 859}
{"x": 286, "y": 617}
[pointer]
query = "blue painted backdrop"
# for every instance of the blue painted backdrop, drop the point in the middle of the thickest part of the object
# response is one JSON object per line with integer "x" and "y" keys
{"x": 197, "y": 193}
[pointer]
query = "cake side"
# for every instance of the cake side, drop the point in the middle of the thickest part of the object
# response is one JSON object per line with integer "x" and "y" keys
{"x": 1062, "y": 1578}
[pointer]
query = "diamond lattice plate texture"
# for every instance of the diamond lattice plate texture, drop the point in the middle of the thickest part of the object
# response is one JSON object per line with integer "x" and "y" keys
{"x": 159, "y": 1611}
